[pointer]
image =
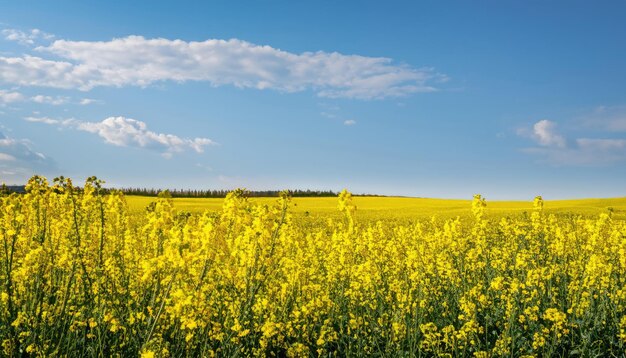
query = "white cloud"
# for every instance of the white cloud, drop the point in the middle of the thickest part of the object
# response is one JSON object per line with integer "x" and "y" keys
{"x": 88, "y": 101}
{"x": 122, "y": 131}
{"x": 55, "y": 101}
{"x": 48, "y": 120}
{"x": 10, "y": 97}
{"x": 544, "y": 133}
{"x": 35, "y": 71}
{"x": 25, "y": 38}
{"x": 349, "y": 122}
{"x": 135, "y": 60}
{"x": 553, "y": 148}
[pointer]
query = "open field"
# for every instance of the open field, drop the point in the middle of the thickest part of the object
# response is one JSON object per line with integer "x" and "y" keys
{"x": 401, "y": 207}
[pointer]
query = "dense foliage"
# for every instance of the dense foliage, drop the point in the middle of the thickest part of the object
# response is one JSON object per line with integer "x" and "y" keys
{"x": 79, "y": 276}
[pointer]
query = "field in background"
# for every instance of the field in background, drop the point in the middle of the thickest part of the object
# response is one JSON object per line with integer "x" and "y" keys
{"x": 398, "y": 207}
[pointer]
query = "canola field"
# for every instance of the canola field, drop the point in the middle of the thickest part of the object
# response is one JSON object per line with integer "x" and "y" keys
{"x": 384, "y": 208}
{"x": 84, "y": 273}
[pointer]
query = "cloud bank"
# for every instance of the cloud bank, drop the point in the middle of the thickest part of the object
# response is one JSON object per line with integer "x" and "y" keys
{"x": 137, "y": 61}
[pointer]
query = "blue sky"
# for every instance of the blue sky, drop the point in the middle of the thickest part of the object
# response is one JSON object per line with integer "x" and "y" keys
{"x": 437, "y": 99}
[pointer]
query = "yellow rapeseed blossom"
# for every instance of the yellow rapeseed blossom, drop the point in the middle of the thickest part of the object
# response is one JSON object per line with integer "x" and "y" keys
{"x": 82, "y": 272}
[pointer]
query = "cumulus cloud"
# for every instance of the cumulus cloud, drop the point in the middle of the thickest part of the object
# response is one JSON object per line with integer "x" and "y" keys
{"x": 122, "y": 131}
{"x": 18, "y": 160}
{"x": 544, "y": 133}
{"x": 35, "y": 71}
{"x": 349, "y": 122}
{"x": 25, "y": 37}
{"x": 137, "y": 61}
{"x": 554, "y": 148}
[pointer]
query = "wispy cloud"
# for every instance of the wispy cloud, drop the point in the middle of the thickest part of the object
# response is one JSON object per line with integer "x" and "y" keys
{"x": 333, "y": 111}
{"x": 48, "y": 120}
{"x": 10, "y": 97}
{"x": 328, "y": 115}
{"x": 25, "y": 37}
{"x": 609, "y": 118}
{"x": 14, "y": 96}
{"x": 137, "y": 61}
{"x": 88, "y": 101}
{"x": 122, "y": 131}
{"x": 602, "y": 144}
{"x": 55, "y": 101}
{"x": 7, "y": 157}
{"x": 18, "y": 159}
{"x": 205, "y": 167}
{"x": 555, "y": 149}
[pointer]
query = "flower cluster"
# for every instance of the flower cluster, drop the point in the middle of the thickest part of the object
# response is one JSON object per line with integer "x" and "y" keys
{"x": 82, "y": 275}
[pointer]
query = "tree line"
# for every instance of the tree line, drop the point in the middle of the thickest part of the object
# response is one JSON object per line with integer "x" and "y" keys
{"x": 221, "y": 193}
{"x": 191, "y": 193}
